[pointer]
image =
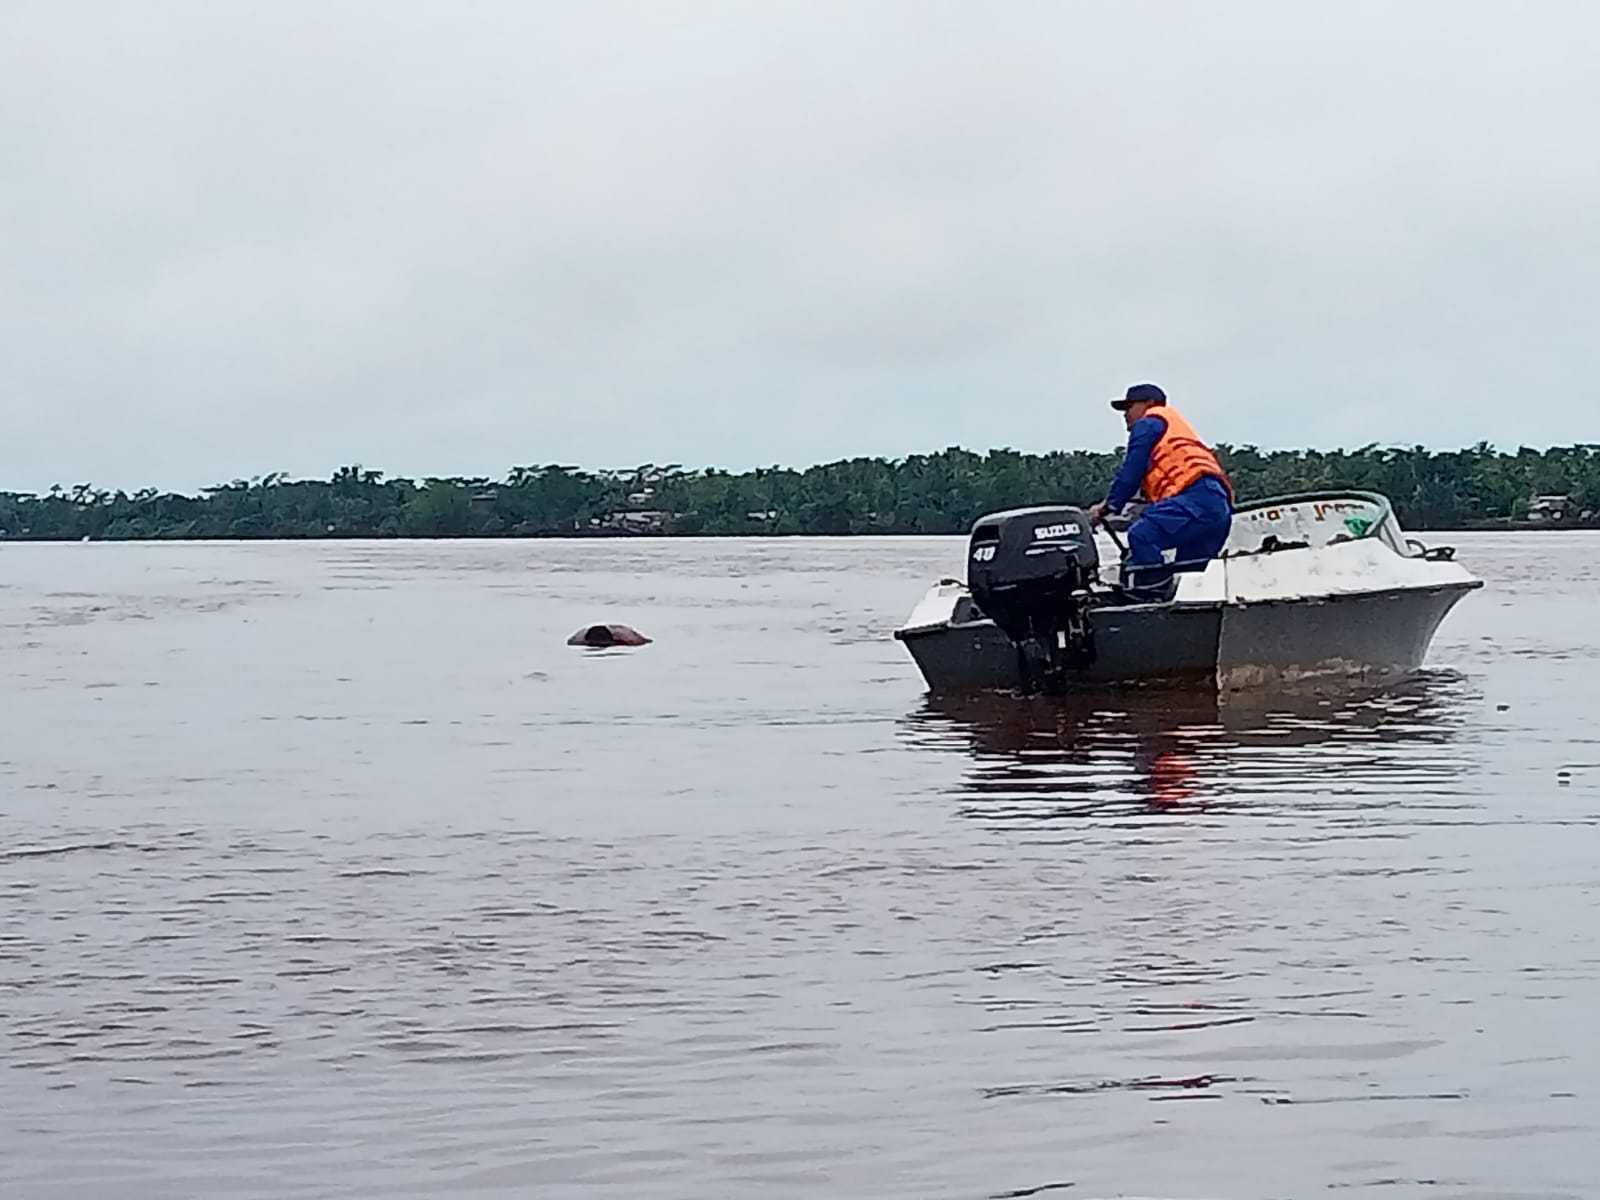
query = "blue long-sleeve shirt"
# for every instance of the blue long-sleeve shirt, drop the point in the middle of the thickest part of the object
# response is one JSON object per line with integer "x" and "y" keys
{"x": 1142, "y": 438}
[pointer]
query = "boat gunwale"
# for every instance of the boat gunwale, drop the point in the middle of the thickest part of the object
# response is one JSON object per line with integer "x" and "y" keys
{"x": 1146, "y": 606}
{"x": 1420, "y": 589}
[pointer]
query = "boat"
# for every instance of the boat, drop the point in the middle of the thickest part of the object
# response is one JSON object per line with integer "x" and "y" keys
{"x": 1308, "y": 588}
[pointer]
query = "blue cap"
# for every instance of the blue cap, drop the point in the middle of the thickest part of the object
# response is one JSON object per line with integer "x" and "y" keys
{"x": 1141, "y": 392}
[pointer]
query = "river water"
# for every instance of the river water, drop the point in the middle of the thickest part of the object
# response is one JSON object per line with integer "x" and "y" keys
{"x": 328, "y": 870}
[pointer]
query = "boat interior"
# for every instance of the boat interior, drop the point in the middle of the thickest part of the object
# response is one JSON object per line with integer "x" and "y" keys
{"x": 1306, "y": 521}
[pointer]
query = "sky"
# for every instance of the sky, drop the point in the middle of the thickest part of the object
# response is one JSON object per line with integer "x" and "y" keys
{"x": 453, "y": 238}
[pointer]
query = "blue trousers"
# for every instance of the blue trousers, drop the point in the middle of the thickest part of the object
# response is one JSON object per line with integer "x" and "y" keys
{"x": 1194, "y": 524}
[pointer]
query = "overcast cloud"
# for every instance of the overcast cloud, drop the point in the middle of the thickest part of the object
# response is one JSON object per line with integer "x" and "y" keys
{"x": 455, "y": 237}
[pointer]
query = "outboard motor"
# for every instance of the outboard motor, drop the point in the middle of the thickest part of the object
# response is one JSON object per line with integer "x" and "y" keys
{"x": 1029, "y": 570}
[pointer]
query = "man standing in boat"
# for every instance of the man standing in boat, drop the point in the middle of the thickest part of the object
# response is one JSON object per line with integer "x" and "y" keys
{"x": 1190, "y": 497}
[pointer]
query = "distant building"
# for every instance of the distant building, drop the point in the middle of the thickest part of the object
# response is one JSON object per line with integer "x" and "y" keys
{"x": 629, "y": 521}
{"x": 1549, "y": 508}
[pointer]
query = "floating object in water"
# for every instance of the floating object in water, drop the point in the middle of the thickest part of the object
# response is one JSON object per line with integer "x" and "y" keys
{"x": 596, "y": 636}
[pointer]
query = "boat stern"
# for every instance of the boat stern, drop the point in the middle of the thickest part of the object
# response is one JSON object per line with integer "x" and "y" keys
{"x": 943, "y": 604}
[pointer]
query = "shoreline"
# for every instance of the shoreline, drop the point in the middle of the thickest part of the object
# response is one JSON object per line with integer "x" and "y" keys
{"x": 616, "y": 535}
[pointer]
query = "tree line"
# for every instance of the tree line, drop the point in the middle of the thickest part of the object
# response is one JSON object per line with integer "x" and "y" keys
{"x": 923, "y": 494}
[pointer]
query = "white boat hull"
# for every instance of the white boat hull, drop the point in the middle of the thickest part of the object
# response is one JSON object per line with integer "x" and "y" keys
{"x": 1330, "y": 607}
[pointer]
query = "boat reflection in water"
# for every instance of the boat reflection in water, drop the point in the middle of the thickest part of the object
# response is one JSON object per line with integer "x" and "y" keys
{"x": 1046, "y": 760}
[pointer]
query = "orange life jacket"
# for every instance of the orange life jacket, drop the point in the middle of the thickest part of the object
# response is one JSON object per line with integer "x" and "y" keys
{"x": 1179, "y": 458}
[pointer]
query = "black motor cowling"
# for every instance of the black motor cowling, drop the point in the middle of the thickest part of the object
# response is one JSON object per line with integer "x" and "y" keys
{"x": 1030, "y": 570}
